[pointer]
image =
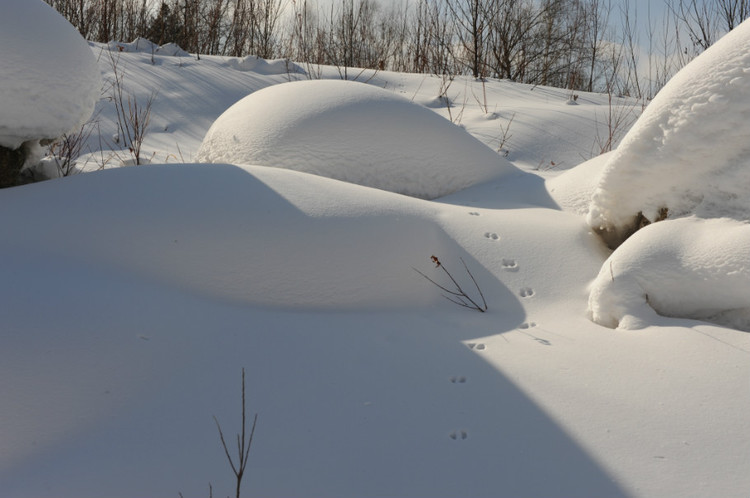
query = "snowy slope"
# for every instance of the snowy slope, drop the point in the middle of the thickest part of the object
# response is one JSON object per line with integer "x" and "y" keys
{"x": 133, "y": 298}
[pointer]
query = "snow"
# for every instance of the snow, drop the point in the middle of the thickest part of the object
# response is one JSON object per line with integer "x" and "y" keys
{"x": 352, "y": 132}
{"x": 262, "y": 66}
{"x": 145, "y": 46}
{"x": 687, "y": 155}
{"x": 162, "y": 244}
{"x": 50, "y": 79}
{"x": 689, "y": 268}
{"x": 133, "y": 297}
{"x": 689, "y": 150}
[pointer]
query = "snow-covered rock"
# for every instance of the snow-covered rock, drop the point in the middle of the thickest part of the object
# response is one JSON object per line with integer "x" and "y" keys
{"x": 50, "y": 78}
{"x": 689, "y": 151}
{"x": 352, "y": 132}
{"x": 688, "y": 268}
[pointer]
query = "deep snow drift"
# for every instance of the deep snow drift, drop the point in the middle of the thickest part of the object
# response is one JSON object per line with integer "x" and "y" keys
{"x": 50, "y": 79}
{"x": 133, "y": 298}
{"x": 352, "y": 132}
{"x": 689, "y": 150}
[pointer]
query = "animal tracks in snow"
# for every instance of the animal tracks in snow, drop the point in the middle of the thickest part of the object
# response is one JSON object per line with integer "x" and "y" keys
{"x": 492, "y": 236}
{"x": 525, "y": 327}
{"x": 458, "y": 380}
{"x": 526, "y": 292}
{"x": 510, "y": 265}
{"x": 477, "y": 346}
{"x": 458, "y": 435}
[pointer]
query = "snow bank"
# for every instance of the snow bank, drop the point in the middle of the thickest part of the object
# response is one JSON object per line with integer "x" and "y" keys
{"x": 689, "y": 150}
{"x": 50, "y": 78}
{"x": 262, "y": 66}
{"x": 352, "y": 132}
{"x": 172, "y": 50}
{"x": 145, "y": 46}
{"x": 253, "y": 235}
{"x": 689, "y": 268}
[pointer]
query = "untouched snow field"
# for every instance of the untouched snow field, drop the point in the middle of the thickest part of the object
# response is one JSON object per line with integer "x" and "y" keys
{"x": 133, "y": 297}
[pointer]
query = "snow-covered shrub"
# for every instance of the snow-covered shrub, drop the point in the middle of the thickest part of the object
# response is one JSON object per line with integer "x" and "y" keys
{"x": 688, "y": 152}
{"x": 689, "y": 268}
{"x": 352, "y": 132}
{"x": 49, "y": 85}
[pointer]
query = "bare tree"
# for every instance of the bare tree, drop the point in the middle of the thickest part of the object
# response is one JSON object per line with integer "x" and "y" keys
{"x": 472, "y": 19}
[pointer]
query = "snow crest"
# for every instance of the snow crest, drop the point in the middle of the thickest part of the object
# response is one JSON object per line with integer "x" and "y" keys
{"x": 50, "y": 78}
{"x": 689, "y": 151}
{"x": 352, "y": 132}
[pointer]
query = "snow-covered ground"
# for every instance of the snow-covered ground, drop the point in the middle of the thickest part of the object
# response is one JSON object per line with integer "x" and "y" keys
{"x": 133, "y": 297}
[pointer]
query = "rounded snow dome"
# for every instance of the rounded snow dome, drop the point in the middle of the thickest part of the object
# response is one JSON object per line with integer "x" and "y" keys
{"x": 352, "y": 132}
{"x": 50, "y": 79}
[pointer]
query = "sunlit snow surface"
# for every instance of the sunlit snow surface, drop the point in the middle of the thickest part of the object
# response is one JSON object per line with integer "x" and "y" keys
{"x": 352, "y": 132}
{"x": 689, "y": 268}
{"x": 689, "y": 151}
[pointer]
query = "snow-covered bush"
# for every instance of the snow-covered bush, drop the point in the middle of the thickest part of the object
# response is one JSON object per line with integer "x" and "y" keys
{"x": 689, "y": 268}
{"x": 49, "y": 85}
{"x": 352, "y": 132}
{"x": 688, "y": 152}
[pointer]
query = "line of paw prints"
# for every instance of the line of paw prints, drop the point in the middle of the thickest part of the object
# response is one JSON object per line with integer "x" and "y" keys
{"x": 463, "y": 434}
{"x": 510, "y": 265}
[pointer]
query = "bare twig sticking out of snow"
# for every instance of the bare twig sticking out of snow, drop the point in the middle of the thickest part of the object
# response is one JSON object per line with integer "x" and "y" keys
{"x": 69, "y": 147}
{"x": 133, "y": 117}
{"x": 244, "y": 443}
{"x": 457, "y": 295}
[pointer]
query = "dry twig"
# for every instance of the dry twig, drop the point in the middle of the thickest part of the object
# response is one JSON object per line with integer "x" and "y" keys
{"x": 458, "y": 295}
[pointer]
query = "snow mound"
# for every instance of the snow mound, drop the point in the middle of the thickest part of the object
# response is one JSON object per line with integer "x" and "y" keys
{"x": 689, "y": 150}
{"x": 146, "y": 46}
{"x": 352, "y": 132}
{"x": 139, "y": 45}
{"x": 172, "y": 50}
{"x": 687, "y": 268}
{"x": 253, "y": 235}
{"x": 50, "y": 78}
{"x": 262, "y": 66}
